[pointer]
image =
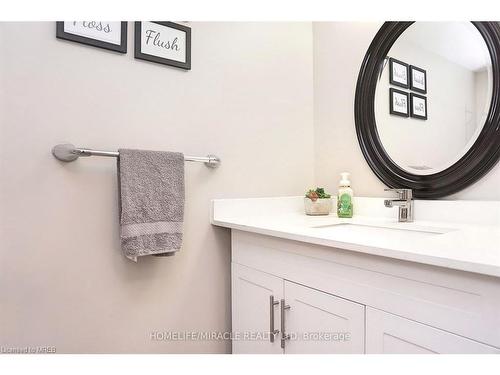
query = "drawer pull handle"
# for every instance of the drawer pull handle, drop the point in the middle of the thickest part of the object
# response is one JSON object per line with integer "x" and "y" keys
{"x": 284, "y": 336}
{"x": 272, "y": 332}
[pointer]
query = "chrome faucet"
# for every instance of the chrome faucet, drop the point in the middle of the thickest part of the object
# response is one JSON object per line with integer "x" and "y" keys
{"x": 404, "y": 203}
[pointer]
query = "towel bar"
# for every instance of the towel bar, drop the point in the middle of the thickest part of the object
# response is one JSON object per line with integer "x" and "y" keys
{"x": 68, "y": 152}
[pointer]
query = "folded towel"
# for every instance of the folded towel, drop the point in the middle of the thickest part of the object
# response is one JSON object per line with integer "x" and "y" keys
{"x": 151, "y": 194}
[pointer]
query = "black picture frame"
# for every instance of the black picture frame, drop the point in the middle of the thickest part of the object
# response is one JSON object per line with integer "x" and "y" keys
{"x": 392, "y": 110}
{"x": 412, "y": 87}
{"x": 479, "y": 159}
{"x": 413, "y": 114}
{"x": 393, "y": 61}
{"x": 121, "y": 48}
{"x": 161, "y": 60}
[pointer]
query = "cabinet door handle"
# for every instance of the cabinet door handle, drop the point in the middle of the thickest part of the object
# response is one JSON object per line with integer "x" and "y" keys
{"x": 284, "y": 336}
{"x": 272, "y": 331}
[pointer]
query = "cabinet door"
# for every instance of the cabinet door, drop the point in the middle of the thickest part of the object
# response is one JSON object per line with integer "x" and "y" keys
{"x": 252, "y": 310}
{"x": 322, "y": 323}
{"x": 388, "y": 333}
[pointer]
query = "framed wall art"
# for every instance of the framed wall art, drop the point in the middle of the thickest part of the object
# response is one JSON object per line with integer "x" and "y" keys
{"x": 398, "y": 102}
{"x": 103, "y": 34}
{"x": 418, "y": 79}
{"x": 398, "y": 73}
{"x": 418, "y": 106}
{"x": 165, "y": 43}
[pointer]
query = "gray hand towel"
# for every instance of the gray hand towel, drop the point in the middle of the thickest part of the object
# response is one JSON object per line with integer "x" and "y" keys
{"x": 151, "y": 194}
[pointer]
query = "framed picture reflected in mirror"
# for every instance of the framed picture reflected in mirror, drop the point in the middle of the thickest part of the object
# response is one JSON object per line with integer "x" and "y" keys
{"x": 418, "y": 106}
{"x": 398, "y": 73}
{"x": 398, "y": 102}
{"x": 418, "y": 79}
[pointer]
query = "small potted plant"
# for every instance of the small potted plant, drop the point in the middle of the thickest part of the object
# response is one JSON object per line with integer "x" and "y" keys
{"x": 317, "y": 202}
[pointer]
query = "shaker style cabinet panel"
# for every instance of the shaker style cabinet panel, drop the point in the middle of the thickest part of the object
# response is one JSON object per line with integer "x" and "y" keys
{"x": 392, "y": 334}
{"x": 252, "y": 312}
{"x": 312, "y": 321}
{"x": 322, "y": 323}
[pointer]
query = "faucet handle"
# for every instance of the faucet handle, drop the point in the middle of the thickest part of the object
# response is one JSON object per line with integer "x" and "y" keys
{"x": 406, "y": 194}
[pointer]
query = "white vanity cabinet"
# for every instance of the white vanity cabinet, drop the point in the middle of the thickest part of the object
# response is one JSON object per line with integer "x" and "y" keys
{"x": 254, "y": 313}
{"x": 317, "y": 322}
{"x": 388, "y": 333}
{"x": 383, "y": 305}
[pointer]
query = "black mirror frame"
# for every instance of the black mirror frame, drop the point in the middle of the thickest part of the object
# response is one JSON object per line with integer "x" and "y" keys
{"x": 479, "y": 159}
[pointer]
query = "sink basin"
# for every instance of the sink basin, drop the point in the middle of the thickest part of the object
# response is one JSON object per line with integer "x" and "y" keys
{"x": 404, "y": 231}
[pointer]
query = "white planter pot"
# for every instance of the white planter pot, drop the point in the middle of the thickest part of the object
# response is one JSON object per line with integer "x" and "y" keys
{"x": 319, "y": 207}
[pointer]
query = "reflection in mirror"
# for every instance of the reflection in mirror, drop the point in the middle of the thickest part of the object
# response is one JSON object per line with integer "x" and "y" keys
{"x": 448, "y": 89}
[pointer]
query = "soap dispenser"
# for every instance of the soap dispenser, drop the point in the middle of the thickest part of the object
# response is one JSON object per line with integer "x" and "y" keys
{"x": 344, "y": 197}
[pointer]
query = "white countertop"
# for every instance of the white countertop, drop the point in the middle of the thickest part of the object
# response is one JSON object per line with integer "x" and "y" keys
{"x": 467, "y": 233}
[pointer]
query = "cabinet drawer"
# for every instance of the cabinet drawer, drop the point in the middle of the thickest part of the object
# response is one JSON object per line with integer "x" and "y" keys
{"x": 391, "y": 334}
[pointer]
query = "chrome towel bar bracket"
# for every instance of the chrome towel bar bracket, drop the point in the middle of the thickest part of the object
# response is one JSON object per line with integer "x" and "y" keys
{"x": 68, "y": 152}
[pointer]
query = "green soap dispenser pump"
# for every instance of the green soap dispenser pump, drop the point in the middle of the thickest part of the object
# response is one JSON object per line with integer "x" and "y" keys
{"x": 344, "y": 197}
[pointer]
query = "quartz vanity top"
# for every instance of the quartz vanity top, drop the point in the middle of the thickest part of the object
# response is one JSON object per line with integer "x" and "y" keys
{"x": 462, "y": 235}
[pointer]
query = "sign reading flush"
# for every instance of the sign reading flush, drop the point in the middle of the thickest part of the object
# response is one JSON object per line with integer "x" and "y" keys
{"x": 165, "y": 43}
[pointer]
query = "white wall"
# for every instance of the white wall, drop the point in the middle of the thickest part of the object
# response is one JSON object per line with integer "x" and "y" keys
{"x": 339, "y": 49}
{"x": 483, "y": 88}
{"x": 63, "y": 279}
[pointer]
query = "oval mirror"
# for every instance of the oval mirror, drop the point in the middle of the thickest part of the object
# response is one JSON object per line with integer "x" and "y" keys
{"x": 427, "y": 104}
